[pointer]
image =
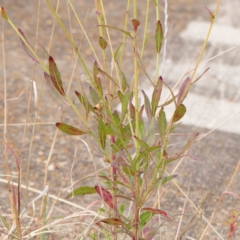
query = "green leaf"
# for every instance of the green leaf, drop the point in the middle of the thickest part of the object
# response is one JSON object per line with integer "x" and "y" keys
{"x": 123, "y": 79}
{"x": 5, "y": 223}
{"x": 145, "y": 218}
{"x": 82, "y": 191}
{"x": 128, "y": 170}
{"x": 55, "y": 76}
{"x": 70, "y": 130}
{"x": 102, "y": 43}
{"x": 84, "y": 101}
{"x": 118, "y": 29}
{"x": 116, "y": 118}
{"x": 142, "y": 128}
{"x": 162, "y": 124}
{"x": 124, "y": 102}
{"x": 142, "y": 143}
{"x": 155, "y": 3}
{"x": 122, "y": 208}
{"x": 179, "y": 113}
{"x": 94, "y": 96}
{"x": 102, "y": 134}
{"x": 97, "y": 80}
{"x": 107, "y": 76}
{"x": 116, "y": 52}
{"x": 162, "y": 180}
{"x": 159, "y": 36}
{"x": 146, "y": 152}
{"x": 147, "y": 106}
{"x": 156, "y": 95}
{"x": 25, "y": 47}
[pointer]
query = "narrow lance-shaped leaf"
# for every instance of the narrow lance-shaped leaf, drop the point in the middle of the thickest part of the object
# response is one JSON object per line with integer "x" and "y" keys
{"x": 95, "y": 98}
{"x": 188, "y": 144}
{"x": 162, "y": 180}
{"x": 124, "y": 84}
{"x": 106, "y": 196}
{"x": 102, "y": 134}
{"x": 102, "y": 43}
{"x": 159, "y": 36}
{"x": 179, "y": 113}
{"x": 82, "y": 191}
{"x": 132, "y": 110}
{"x": 147, "y": 106}
{"x": 97, "y": 80}
{"x": 25, "y": 47}
{"x": 183, "y": 91}
{"x": 140, "y": 112}
{"x": 84, "y": 102}
{"x": 55, "y": 76}
{"x": 158, "y": 211}
{"x": 107, "y": 76}
{"x": 112, "y": 221}
{"x": 60, "y": 98}
{"x": 124, "y": 103}
{"x": 116, "y": 52}
{"x": 162, "y": 124}
{"x": 156, "y": 95}
{"x": 70, "y": 130}
{"x": 118, "y": 29}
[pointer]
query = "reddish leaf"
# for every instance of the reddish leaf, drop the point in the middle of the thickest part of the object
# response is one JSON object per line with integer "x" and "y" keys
{"x": 179, "y": 113}
{"x": 25, "y": 47}
{"x": 158, "y": 211}
{"x": 106, "y": 196}
{"x": 55, "y": 76}
{"x": 112, "y": 221}
{"x": 102, "y": 42}
{"x": 70, "y": 130}
{"x": 183, "y": 91}
{"x": 156, "y": 95}
{"x": 135, "y": 24}
{"x": 132, "y": 110}
{"x": 4, "y": 14}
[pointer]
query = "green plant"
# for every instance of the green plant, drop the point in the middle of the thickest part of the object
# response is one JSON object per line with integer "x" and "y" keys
{"x": 136, "y": 155}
